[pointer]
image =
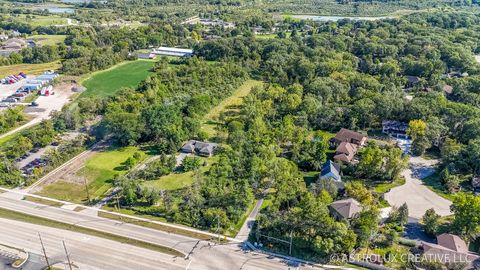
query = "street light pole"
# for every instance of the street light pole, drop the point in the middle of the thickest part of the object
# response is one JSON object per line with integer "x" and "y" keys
{"x": 218, "y": 228}
{"x": 86, "y": 189}
{"x": 43, "y": 250}
{"x": 68, "y": 257}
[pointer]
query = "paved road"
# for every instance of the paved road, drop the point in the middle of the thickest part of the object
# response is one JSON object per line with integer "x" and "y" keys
{"x": 418, "y": 197}
{"x": 203, "y": 256}
{"x": 247, "y": 226}
{"x": 97, "y": 253}
{"x": 244, "y": 232}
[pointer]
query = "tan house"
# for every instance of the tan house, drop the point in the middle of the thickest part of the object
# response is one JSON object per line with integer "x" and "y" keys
{"x": 345, "y": 152}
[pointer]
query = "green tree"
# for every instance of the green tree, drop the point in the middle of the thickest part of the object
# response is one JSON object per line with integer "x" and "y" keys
{"x": 417, "y": 129}
{"x": 358, "y": 191}
{"x": 431, "y": 222}
{"x": 191, "y": 163}
{"x": 466, "y": 222}
{"x": 365, "y": 226}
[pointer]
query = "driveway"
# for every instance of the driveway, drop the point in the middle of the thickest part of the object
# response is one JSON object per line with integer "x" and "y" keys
{"x": 418, "y": 197}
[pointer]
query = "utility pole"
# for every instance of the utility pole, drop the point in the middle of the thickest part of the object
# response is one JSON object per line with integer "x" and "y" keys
{"x": 290, "y": 248}
{"x": 44, "y": 252}
{"x": 86, "y": 189}
{"x": 68, "y": 257}
{"x": 118, "y": 202}
{"x": 218, "y": 228}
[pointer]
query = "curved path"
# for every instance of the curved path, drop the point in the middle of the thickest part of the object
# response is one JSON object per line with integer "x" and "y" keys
{"x": 418, "y": 197}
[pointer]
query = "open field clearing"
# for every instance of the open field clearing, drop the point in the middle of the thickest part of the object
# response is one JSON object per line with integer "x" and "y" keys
{"x": 228, "y": 106}
{"x": 38, "y": 20}
{"x": 43, "y": 40}
{"x": 97, "y": 170}
{"x": 179, "y": 180}
{"x": 30, "y": 69}
{"x": 110, "y": 81}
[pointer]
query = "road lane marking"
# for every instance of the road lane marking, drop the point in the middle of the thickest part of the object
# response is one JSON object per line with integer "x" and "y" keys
{"x": 188, "y": 265}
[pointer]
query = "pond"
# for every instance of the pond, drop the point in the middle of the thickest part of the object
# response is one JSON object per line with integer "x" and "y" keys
{"x": 60, "y": 10}
{"x": 337, "y": 18}
{"x": 74, "y": 1}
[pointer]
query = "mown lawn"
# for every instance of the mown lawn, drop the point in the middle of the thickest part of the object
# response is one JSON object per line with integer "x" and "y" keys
{"x": 109, "y": 82}
{"x": 179, "y": 180}
{"x": 30, "y": 69}
{"x": 103, "y": 166}
{"x": 43, "y": 40}
{"x": 172, "y": 181}
{"x": 65, "y": 191}
{"x": 434, "y": 183}
{"x": 99, "y": 172}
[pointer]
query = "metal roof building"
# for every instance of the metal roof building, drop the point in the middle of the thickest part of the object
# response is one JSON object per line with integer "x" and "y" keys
{"x": 170, "y": 51}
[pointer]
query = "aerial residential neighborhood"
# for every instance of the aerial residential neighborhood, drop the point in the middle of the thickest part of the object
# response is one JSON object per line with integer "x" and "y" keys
{"x": 239, "y": 135}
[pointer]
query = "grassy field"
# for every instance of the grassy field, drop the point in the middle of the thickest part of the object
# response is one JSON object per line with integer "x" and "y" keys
{"x": 228, "y": 106}
{"x": 38, "y": 20}
{"x": 4, "y": 213}
{"x": 102, "y": 168}
{"x": 270, "y": 36}
{"x": 65, "y": 191}
{"x": 99, "y": 172}
{"x": 172, "y": 181}
{"x": 180, "y": 180}
{"x": 43, "y": 40}
{"x": 109, "y": 82}
{"x": 34, "y": 69}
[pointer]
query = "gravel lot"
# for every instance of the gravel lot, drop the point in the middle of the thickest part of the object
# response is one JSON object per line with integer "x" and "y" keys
{"x": 46, "y": 105}
{"x": 8, "y": 89}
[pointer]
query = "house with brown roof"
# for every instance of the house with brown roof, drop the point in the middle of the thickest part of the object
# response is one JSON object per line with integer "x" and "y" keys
{"x": 345, "y": 209}
{"x": 345, "y": 152}
{"x": 349, "y": 136}
{"x": 449, "y": 248}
